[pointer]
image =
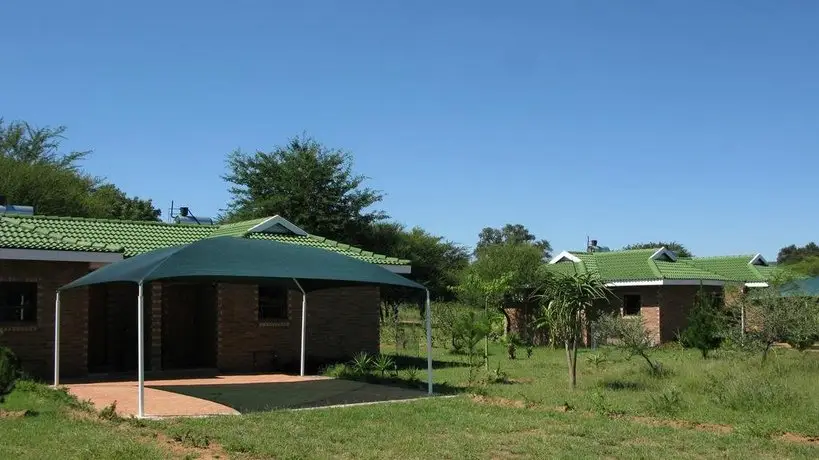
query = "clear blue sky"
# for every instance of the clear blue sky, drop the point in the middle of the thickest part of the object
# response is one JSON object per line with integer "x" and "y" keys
{"x": 693, "y": 121}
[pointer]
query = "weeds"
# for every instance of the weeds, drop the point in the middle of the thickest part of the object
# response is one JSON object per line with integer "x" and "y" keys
{"x": 667, "y": 402}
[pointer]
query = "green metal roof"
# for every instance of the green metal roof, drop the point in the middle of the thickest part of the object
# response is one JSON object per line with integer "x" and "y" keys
{"x": 137, "y": 237}
{"x": 24, "y": 234}
{"x": 638, "y": 265}
{"x": 735, "y": 268}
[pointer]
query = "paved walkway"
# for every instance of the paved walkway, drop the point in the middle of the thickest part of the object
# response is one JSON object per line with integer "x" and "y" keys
{"x": 161, "y": 403}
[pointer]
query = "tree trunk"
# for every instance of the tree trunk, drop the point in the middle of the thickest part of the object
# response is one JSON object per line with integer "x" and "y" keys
{"x": 486, "y": 339}
{"x": 571, "y": 360}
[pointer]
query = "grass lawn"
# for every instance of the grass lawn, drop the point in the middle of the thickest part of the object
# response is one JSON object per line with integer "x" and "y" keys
{"x": 729, "y": 406}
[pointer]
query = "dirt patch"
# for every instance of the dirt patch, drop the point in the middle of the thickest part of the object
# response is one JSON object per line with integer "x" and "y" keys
{"x": 180, "y": 449}
{"x": 16, "y": 413}
{"x": 497, "y": 401}
{"x": 793, "y": 437}
{"x": 710, "y": 427}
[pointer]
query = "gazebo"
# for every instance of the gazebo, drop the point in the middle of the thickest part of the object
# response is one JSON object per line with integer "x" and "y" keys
{"x": 238, "y": 260}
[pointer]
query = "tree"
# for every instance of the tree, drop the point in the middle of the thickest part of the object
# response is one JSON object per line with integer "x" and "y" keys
{"x": 36, "y": 173}
{"x": 569, "y": 301}
{"x": 25, "y": 143}
{"x": 705, "y": 324}
{"x": 305, "y": 182}
{"x": 774, "y": 318}
{"x": 793, "y": 254}
{"x": 511, "y": 234}
{"x": 631, "y": 335}
{"x": 488, "y": 291}
{"x": 107, "y": 201}
{"x": 673, "y": 246}
{"x": 436, "y": 262}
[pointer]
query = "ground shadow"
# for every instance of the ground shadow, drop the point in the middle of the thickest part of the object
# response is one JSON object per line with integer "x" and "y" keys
{"x": 420, "y": 362}
{"x": 259, "y": 397}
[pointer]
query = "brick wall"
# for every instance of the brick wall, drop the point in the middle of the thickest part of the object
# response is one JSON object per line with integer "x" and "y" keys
{"x": 340, "y": 323}
{"x": 34, "y": 343}
{"x": 664, "y": 309}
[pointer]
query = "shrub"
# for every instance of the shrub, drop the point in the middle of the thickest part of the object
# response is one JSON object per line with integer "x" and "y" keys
{"x": 667, "y": 402}
{"x": 384, "y": 364}
{"x": 362, "y": 363}
{"x": 705, "y": 325}
{"x": 512, "y": 342}
{"x": 9, "y": 371}
{"x": 109, "y": 412}
{"x": 596, "y": 359}
{"x": 631, "y": 335}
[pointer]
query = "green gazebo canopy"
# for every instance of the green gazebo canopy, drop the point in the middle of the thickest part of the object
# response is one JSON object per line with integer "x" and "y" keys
{"x": 243, "y": 260}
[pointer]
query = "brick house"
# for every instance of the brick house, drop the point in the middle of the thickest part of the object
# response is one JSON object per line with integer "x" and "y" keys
{"x": 660, "y": 287}
{"x": 229, "y": 327}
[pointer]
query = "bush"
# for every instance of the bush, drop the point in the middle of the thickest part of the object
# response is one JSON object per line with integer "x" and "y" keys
{"x": 705, "y": 325}
{"x": 667, "y": 402}
{"x": 10, "y": 371}
{"x": 750, "y": 393}
{"x": 632, "y": 336}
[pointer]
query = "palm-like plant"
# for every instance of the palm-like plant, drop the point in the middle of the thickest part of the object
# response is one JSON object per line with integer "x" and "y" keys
{"x": 567, "y": 303}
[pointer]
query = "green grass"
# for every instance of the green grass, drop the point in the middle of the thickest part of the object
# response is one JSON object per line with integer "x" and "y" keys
{"x": 618, "y": 411}
{"x": 60, "y": 428}
{"x": 730, "y": 388}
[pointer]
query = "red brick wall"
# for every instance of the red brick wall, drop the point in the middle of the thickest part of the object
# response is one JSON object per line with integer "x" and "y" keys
{"x": 34, "y": 343}
{"x": 665, "y": 308}
{"x": 340, "y": 323}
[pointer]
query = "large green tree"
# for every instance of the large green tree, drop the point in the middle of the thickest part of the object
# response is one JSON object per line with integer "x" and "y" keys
{"x": 674, "y": 246}
{"x": 511, "y": 234}
{"x": 37, "y": 172}
{"x": 436, "y": 262}
{"x": 306, "y": 182}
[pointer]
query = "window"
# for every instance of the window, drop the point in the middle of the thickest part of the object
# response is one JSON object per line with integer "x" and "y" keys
{"x": 272, "y": 303}
{"x": 18, "y": 302}
{"x": 631, "y": 304}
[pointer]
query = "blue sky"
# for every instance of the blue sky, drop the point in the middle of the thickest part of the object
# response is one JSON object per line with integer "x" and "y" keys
{"x": 625, "y": 121}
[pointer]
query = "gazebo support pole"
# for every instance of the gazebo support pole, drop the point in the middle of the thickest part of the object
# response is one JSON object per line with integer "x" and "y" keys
{"x": 303, "y": 327}
{"x": 57, "y": 340}
{"x": 429, "y": 345}
{"x": 141, "y": 353}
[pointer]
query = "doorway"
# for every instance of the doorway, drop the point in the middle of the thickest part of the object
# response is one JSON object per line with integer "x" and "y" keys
{"x": 188, "y": 325}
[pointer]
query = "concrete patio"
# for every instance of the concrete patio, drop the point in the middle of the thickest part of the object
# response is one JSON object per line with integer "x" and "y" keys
{"x": 236, "y": 394}
{"x": 162, "y": 403}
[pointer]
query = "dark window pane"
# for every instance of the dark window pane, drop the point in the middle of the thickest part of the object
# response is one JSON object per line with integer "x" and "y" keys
{"x": 18, "y": 302}
{"x": 631, "y": 304}
{"x": 272, "y": 303}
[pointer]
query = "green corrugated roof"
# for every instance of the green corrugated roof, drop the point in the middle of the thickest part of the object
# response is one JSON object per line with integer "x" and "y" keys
{"x": 734, "y": 268}
{"x": 330, "y": 245}
{"x": 136, "y": 237}
{"x": 25, "y": 234}
{"x": 638, "y": 265}
{"x": 237, "y": 228}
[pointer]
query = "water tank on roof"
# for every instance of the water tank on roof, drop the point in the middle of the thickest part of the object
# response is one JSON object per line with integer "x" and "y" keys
{"x": 16, "y": 209}
{"x": 194, "y": 220}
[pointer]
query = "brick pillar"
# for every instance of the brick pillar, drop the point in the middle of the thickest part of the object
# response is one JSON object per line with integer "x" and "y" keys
{"x": 156, "y": 326}
{"x": 651, "y": 321}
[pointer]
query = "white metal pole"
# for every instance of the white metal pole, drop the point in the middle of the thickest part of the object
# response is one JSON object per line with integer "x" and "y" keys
{"x": 429, "y": 346}
{"x": 140, "y": 354}
{"x": 303, "y": 327}
{"x": 57, "y": 340}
